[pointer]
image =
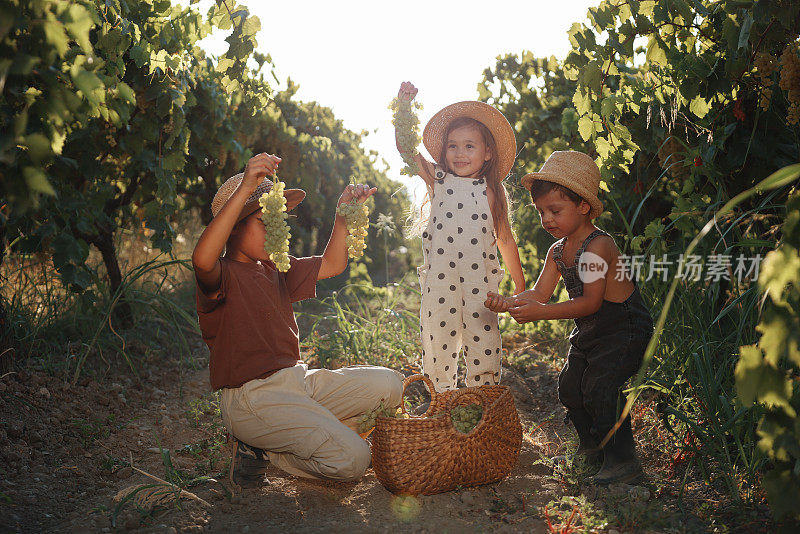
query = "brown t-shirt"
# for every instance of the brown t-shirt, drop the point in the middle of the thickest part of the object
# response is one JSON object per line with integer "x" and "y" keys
{"x": 249, "y": 326}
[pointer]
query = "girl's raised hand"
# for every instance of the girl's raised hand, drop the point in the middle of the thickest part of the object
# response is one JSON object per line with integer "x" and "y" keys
{"x": 407, "y": 91}
{"x": 359, "y": 192}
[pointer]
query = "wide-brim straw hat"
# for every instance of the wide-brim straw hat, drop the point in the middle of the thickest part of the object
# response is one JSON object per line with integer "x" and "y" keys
{"x": 503, "y": 133}
{"x": 226, "y": 190}
{"x": 574, "y": 170}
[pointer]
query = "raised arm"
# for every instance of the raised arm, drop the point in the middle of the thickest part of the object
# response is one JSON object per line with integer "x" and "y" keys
{"x": 205, "y": 258}
{"x": 406, "y": 93}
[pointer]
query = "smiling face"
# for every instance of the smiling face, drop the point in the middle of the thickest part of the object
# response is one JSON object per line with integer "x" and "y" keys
{"x": 466, "y": 151}
{"x": 559, "y": 214}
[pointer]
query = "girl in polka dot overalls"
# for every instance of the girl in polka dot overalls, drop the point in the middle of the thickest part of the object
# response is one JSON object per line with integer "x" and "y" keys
{"x": 467, "y": 224}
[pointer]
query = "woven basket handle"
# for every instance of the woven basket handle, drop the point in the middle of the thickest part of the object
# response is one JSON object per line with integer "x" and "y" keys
{"x": 415, "y": 378}
{"x": 453, "y": 401}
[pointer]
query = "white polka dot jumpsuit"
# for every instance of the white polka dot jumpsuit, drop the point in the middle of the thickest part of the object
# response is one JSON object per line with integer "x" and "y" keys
{"x": 460, "y": 267}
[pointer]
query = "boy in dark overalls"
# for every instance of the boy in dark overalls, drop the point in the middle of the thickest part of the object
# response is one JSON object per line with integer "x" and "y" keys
{"x": 612, "y": 324}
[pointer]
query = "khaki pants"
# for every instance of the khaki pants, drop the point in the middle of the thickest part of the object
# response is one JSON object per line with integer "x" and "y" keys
{"x": 306, "y": 419}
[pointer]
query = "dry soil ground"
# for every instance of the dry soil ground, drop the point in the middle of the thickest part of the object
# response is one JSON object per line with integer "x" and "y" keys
{"x": 65, "y": 453}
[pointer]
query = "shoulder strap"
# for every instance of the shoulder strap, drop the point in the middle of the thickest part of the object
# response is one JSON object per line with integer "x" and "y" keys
{"x": 558, "y": 250}
{"x": 586, "y": 241}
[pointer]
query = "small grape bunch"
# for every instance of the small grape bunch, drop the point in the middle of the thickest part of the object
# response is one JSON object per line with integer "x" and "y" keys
{"x": 406, "y": 125}
{"x": 367, "y": 421}
{"x": 356, "y": 216}
{"x": 273, "y": 215}
{"x": 790, "y": 81}
{"x": 766, "y": 65}
{"x": 466, "y": 417}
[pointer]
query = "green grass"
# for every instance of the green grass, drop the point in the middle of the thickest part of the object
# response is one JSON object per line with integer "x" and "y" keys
{"x": 363, "y": 324}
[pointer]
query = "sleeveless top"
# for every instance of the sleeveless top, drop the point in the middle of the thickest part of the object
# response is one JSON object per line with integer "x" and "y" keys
{"x": 631, "y": 314}
{"x": 459, "y": 242}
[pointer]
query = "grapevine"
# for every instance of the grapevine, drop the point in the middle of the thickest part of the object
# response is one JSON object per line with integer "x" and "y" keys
{"x": 273, "y": 215}
{"x": 356, "y": 215}
{"x": 790, "y": 81}
{"x": 406, "y": 124}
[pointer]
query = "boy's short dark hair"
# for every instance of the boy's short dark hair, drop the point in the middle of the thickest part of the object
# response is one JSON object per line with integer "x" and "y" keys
{"x": 542, "y": 187}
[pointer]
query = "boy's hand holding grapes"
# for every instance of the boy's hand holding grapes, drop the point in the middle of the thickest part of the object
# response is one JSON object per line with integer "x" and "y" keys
{"x": 357, "y": 192}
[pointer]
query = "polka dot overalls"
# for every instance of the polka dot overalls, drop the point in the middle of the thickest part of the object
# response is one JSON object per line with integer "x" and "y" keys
{"x": 460, "y": 267}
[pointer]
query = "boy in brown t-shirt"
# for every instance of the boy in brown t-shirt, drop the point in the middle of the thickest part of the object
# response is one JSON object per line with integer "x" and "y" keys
{"x": 300, "y": 420}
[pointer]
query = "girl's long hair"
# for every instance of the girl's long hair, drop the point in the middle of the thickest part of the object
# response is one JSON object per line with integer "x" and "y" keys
{"x": 489, "y": 171}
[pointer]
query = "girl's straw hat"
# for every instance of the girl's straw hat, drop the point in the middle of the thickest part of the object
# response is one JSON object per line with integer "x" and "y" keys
{"x": 574, "y": 170}
{"x": 433, "y": 134}
{"x": 293, "y": 196}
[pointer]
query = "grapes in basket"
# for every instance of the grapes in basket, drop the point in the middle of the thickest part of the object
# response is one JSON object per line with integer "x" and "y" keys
{"x": 466, "y": 417}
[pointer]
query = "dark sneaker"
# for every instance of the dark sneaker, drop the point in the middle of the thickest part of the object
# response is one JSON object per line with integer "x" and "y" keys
{"x": 620, "y": 463}
{"x": 614, "y": 472}
{"x": 249, "y": 465}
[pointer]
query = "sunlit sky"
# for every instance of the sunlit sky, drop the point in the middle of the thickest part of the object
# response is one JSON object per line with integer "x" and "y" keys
{"x": 352, "y": 55}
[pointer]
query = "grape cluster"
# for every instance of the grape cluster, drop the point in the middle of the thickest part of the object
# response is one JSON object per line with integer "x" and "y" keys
{"x": 273, "y": 215}
{"x": 672, "y": 158}
{"x": 465, "y": 418}
{"x": 790, "y": 81}
{"x": 367, "y": 421}
{"x": 765, "y": 65}
{"x": 406, "y": 124}
{"x": 356, "y": 215}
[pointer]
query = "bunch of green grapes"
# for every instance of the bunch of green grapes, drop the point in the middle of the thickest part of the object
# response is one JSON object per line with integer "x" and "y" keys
{"x": 765, "y": 65}
{"x": 406, "y": 124}
{"x": 367, "y": 421}
{"x": 790, "y": 81}
{"x": 356, "y": 215}
{"x": 273, "y": 215}
{"x": 467, "y": 417}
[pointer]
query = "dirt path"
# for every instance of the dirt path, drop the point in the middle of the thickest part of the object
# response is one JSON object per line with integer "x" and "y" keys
{"x": 65, "y": 454}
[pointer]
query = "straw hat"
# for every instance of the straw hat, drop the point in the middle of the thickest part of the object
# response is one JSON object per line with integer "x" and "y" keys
{"x": 293, "y": 196}
{"x": 574, "y": 170}
{"x": 433, "y": 134}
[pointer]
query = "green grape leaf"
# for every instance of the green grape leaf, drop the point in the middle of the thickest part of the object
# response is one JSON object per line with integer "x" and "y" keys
{"x": 39, "y": 147}
{"x": 586, "y": 127}
{"x": 655, "y": 51}
{"x": 699, "y": 107}
{"x": 744, "y": 33}
{"x": 37, "y": 181}
{"x": 56, "y": 35}
{"x": 78, "y": 22}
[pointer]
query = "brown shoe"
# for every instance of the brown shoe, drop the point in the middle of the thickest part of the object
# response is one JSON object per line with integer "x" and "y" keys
{"x": 249, "y": 465}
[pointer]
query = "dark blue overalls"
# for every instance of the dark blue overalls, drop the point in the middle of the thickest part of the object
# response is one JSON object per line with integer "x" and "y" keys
{"x": 606, "y": 349}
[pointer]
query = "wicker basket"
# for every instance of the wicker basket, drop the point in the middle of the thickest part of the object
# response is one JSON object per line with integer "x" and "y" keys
{"x": 427, "y": 455}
